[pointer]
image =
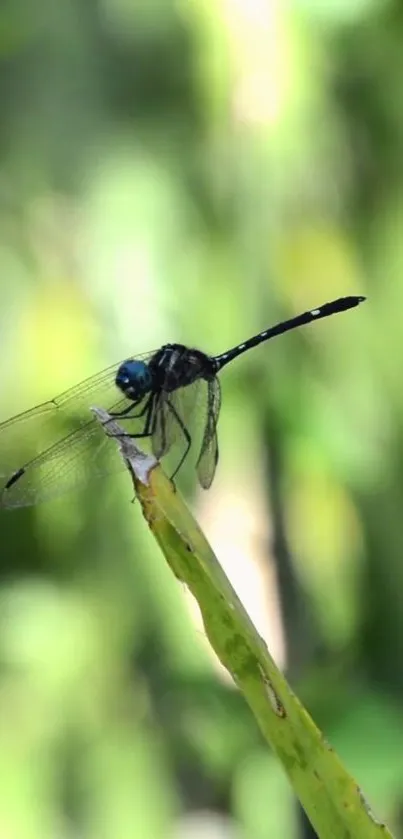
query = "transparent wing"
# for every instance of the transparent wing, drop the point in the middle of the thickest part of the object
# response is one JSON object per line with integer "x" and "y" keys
{"x": 58, "y": 445}
{"x": 163, "y": 434}
{"x": 174, "y": 412}
{"x": 184, "y": 414}
{"x": 208, "y": 457}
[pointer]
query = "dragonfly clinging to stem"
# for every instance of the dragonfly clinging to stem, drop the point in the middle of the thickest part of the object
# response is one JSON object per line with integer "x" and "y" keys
{"x": 153, "y": 395}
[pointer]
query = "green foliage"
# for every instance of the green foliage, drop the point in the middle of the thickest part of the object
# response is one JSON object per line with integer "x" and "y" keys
{"x": 196, "y": 171}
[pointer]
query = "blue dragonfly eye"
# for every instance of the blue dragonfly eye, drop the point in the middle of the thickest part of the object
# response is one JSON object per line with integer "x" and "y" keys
{"x": 134, "y": 378}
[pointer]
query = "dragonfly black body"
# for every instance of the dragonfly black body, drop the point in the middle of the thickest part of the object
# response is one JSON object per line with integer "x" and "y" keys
{"x": 152, "y": 386}
{"x": 173, "y": 366}
{"x": 159, "y": 393}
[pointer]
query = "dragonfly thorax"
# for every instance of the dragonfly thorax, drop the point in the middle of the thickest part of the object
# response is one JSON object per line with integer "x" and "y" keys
{"x": 175, "y": 365}
{"x": 134, "y": 379}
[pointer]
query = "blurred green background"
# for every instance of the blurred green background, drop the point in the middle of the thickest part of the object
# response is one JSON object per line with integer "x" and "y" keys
{"x": 196, "y": 171}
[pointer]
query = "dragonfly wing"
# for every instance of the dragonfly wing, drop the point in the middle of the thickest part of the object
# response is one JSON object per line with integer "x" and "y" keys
{"x": 72, "y": 461}
{"x": 208, "y": 457}
{"x": 174, "y": 412}
{"x": 163, "y": 432}
{"x": 66, "y": 465}
{"x": 47, "y": 443}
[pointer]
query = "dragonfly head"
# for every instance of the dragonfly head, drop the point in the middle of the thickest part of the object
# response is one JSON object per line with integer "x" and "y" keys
{"x": 134, "y": 379}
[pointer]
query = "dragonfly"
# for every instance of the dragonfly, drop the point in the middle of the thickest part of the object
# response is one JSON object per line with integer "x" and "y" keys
{"x": 155, "y": 396}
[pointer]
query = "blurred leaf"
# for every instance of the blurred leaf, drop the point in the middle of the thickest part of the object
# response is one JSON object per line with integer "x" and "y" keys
{"x": 338, "y": 12}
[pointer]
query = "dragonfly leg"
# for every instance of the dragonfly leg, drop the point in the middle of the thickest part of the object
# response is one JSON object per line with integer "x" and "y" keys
{"x": 150, "y": 422}
{"x": 126, "y": 411}
{"x": 185, "y": 433}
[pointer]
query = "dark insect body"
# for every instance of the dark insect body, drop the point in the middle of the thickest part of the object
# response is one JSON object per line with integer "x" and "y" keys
{"x": 159, "y": 394}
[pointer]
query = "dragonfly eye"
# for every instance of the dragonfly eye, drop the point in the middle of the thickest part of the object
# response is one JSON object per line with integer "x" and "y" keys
{"x": 134, "y": 378}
